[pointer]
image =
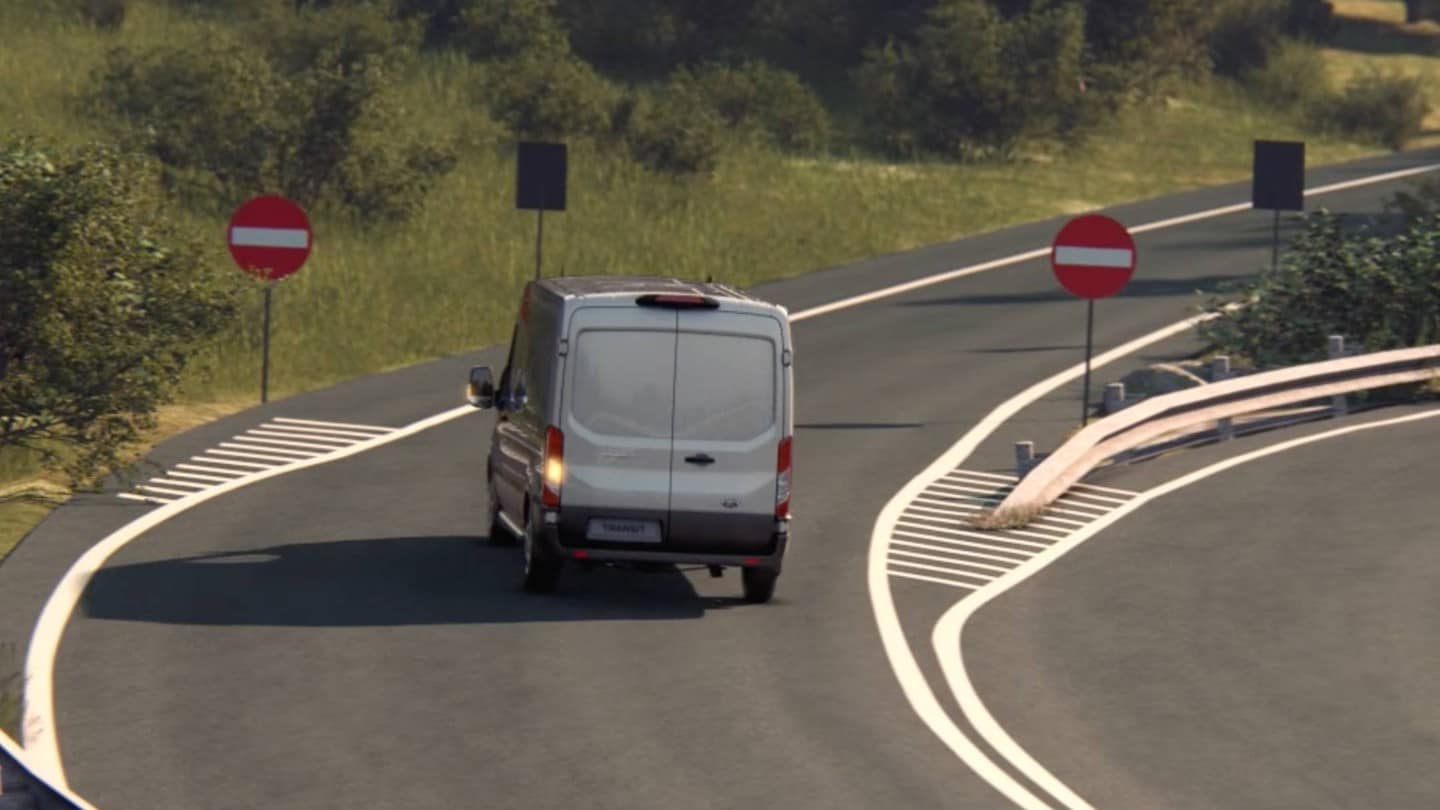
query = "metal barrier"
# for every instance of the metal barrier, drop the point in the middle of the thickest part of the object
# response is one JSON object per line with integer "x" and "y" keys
{"x": 1215, "y": 402}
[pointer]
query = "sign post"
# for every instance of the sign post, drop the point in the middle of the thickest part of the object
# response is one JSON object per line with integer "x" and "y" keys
{"x": 540, "y": 184}
{"x": 269, "y": 237}
{"x": 1278, "y": 183}
{"x": 1092, "y": 256}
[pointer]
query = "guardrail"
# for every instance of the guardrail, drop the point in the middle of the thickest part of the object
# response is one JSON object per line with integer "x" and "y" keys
{"x": 1214, "y": 402}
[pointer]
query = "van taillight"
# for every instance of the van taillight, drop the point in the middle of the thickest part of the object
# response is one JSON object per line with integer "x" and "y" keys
{"x": 782, "y": 481}
{"x": 552, "y": 467}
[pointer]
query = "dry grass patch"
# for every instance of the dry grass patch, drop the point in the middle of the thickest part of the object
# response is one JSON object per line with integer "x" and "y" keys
{"x": 1016, "y": 517}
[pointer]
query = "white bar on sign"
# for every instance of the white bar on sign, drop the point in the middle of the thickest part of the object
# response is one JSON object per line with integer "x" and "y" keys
{"x": 269, "y": 237}
{"x": 1094, "y": 257}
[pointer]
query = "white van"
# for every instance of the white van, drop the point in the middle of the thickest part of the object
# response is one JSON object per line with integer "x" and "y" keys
{"x": 642, "y": 421}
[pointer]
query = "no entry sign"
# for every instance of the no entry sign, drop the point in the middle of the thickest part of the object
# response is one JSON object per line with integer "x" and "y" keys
{"x": 1093, "y": 256}
{"x": 269, "y": 236}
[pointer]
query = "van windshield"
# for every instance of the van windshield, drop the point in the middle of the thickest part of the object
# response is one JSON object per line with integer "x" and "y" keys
{"x": 623, "y": 382}
{"x": 724, "y": 387}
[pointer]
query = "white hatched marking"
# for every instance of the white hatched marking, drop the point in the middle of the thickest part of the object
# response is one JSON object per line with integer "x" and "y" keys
{"x": 1106, "y": 501}
{"x": 920, "y": 555}
{"x": 198, "y": 477}
{"x": 130, "y": 496}
{"x": 367, "y": 428}
{"x": 1127, "y": 493}
{"x": 284, "y": 443}
{"x": 1026, "y": 546}
{"x": 250, "y": 464}
{"x": 163, "y": 490}
{"x": 948, "y": 546}
{"x": 273, "y": 458}
{"x": 937, "y": 569}
{"x": 1045, "y": 518}
{"x": 1055, "y": 534}
{"x": 318, "y": 431}
{"x": 1010, "y": 478}
{"x": 283, "y": 452}
{"x": 332, "y": 442}
{"x": 937, "y": 580}
{"x": 202, "y": 468}
{"x": 989, "y": 493}
{"x": 913, "y": 534}
{"x": 171, "y": 483}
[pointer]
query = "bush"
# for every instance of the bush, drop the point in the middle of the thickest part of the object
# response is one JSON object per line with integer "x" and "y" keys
{"x": 674, "y": 133}
{"x": 343, "y": 36}
{"x": 226, "y": 118}
{"x": 1245, "y": 34}
{"x": 1420, "y": 201}
{"x": 971, "y": 83}
{"x": 101, "y": 305}
{"x": 756, "y": 99}
{"x": 542, "y": 97}
{"x": 1388, "y": 106}
{"x": 1382, "y": 293}
{"x": 105, "y": 14}
{"x": 1312, "y": 19}
{"x": 1295, "y": 77}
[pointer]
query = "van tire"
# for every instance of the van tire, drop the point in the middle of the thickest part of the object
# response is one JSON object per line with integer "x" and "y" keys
{"x": 759, "y": 584}
{"x": 542, "y": 571}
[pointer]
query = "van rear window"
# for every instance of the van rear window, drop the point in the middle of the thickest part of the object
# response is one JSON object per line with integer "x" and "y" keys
{"x": 623, "y": 384}
{"x": 724, "y": 387}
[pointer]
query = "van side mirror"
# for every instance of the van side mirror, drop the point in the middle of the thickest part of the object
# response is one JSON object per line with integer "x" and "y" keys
{"x": 480, "y": 391}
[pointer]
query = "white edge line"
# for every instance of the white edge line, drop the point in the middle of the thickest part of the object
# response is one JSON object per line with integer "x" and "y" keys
{"x": 41, "y": 742}
{"x": 947, "y": 637}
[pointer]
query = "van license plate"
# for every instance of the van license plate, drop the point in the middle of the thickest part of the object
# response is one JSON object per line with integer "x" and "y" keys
{"x": 624, "y": 531}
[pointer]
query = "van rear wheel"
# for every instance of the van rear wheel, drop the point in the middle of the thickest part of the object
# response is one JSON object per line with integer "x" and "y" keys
{"x": 759, "y": 584}
{"x": 542, "y": 571}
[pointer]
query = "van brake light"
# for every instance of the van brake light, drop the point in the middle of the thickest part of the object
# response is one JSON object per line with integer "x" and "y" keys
{"x": 552, "y": 467}
{"x": 783, "y": 476}
{"x": 677, "y": 301}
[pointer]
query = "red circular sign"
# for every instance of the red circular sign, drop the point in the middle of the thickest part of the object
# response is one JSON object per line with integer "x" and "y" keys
{"x": 1093, "y": 256}
{"x": 269, "y": 236}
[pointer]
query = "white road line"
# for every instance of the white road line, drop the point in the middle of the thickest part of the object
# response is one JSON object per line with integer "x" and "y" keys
{"x": 961, "y": 488}
{"x": 209, "y": 460}
{"x": 937, "y": 544}
{"x": 937, "y": 569}
{"x": 229, "y": 474}
{"x": 199, "y": 477}
{"x": 920, "y": 555}
{"x": 994, "y": 539}
{"x": 937, "y": 580}
{"x": 946, "y": 638}
{"x": 1109, "y": 501}
{"x": 1069, "y": 510}
{"x": 1004, "y": 479}
{"x": 1046, "y": 518}
{"x": 162, "y": 490}
{"x": 275, "y": 460}
{"x": 342, "y": 425}
{"x": 42, "y": 744}
{"x": 330, "y": 441}
{"x": 1031, "y": 531}
{"x": 317, "y": 431}
{"x": 253, "y": 438}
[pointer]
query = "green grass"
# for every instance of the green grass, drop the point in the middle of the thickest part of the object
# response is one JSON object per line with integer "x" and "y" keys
{"x": 375, "y": 298}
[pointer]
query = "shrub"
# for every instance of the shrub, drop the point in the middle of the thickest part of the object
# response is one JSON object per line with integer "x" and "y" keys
{"x": 756, "y": 99}
{"x": 541, "y": 97}
{"x": 1388, "y": 106}
{"x": 673, "y": 133}
{"x": 106, "y": 14}
{"x": 1294, "y": 77}
{"x": 101, "y": 305}
{"x": 344, "y": 36}
{"x": 1312, "y": 20}
{"x": 1420, "y": 201}
{"x": 971, "y": 83}
{"x": 1383, "y": 293}
{"x": 1245, "y": 33}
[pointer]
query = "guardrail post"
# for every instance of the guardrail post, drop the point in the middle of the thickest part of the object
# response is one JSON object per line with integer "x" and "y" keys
{"x": 1339, "y": 404}
{"x": 1114, "y": 397}
{"x": 1024, "y": 457}
{"x": 1219, "y": 368}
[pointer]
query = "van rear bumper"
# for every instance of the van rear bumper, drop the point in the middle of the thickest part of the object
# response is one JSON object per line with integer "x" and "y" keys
{"x": 770, "y": 557}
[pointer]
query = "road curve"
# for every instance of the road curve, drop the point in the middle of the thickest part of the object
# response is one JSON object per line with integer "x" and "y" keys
{"x": 1260, "y": 638}
{"x": 337, "y": 636}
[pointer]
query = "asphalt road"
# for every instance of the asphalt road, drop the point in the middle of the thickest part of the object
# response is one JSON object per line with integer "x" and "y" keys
{"x": 1264, "y": 638}
{"x": 337, "y": 636}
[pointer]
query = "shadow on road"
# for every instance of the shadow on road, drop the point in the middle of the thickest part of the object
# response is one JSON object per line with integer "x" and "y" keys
{"x": 1136, "y": 288}
{"x": 380, "y": 582}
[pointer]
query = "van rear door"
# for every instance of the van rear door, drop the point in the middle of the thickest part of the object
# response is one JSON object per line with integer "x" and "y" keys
{"x": 618, "y": 411}
{"x": 729, "y": 419}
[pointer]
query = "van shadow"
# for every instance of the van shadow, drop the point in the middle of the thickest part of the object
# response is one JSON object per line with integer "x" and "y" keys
{"x": 382, "y": 582}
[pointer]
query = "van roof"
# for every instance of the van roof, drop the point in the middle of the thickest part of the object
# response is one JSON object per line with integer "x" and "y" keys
{"x": 627, "y": 286}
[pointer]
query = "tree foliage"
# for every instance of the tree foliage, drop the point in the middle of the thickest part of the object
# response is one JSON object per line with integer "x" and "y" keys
{"x": 100, "y": 305}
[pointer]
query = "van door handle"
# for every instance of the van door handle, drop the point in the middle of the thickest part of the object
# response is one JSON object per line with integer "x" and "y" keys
{"x": 700, "y": 459}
